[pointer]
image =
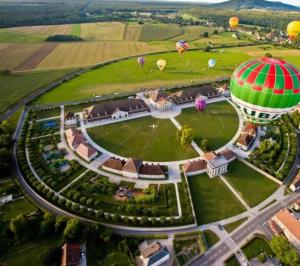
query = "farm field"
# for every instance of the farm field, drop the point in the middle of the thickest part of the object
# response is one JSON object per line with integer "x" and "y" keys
{"x": 7, "y": 36}
{"x": 212, "y": 200}
{"x": 251, "y": 185}
{"x": 135, "y": 138}
{"x": 192, "y": 66}
{"x": 132, "y": 32}
{"x": 16, "y": 86}
{"x": 158, "y": 32}
{"x": 44, "y": 30}
{"x": 70, "y": 55}
{"x": 192, "y": 33}
{"x": 218, "y": 123}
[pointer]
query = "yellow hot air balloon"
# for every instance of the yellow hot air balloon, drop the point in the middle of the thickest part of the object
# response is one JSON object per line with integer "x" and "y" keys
{"x": 161, "y": 64}
{"x": 233, "y": 22}
{"x": 293, "y": 29}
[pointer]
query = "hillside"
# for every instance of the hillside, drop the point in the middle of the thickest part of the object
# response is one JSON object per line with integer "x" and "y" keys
{"x": 258, "y": 4}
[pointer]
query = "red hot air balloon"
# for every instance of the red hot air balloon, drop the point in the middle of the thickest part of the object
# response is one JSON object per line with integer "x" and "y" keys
{"x": 200, "y": 103}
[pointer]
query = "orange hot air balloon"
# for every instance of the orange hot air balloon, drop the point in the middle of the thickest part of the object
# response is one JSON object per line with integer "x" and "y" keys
{"x": 233, "y": 22}
{"x": 293, "y": 29}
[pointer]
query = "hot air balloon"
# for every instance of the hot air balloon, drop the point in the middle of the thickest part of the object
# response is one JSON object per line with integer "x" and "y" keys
{"x": 293, "y": 29}
{"x": 141, "y": 61}
{"x": 264, "y": 89}
{"x": 211, "y": 63}
{"x": 161, "y": 64}
{"x": 233, "y": 22}
{"x": 200, "y": 103}
{"x": 182, "y": 46}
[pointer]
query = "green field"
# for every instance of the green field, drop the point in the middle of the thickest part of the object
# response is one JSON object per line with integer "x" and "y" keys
{"x": 128, "y": 76}
{"x": 210, "y": 238}
{"x": 13, "y": 209}
{"x": 150, "y": 32}
{"x": 135, "y": 138}
{"x": 218, "y": 123}
{"x": 251, "y": 185}
{"x": 255, "y": 247}
{"x": 18, "y": 37}
{"x": 232, "y": 226}
{"x": 212, "y": 200}
{"x": 14, "y": 87}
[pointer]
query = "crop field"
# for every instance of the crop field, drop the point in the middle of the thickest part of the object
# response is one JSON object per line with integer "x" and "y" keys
{"x": 70, "y": 55}
{"x": 212, "y": 200}
{"x": 218, "y": 123}
{"x": 14, "y": 87}
{"x": 37, "y": 57}
{"x": 141, "y": 141}
{"x": 127, "y": 75}
{"x": 7, "y": 36}
{"x": 13, "y": 55}
{"x": 132, "y": 32}
{"x": 75, "y": 30}
{"x": 44, "y": 30}
{"x": 102, "y": 31}
{"x": 193, "y": 33}
{"x": 158, "y": 32}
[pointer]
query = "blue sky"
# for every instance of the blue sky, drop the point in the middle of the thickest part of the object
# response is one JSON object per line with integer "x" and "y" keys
{"x": 292, "y": 2}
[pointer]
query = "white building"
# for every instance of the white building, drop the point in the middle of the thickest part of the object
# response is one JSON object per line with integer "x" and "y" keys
{"x": 160, "y": 101}
{"x": 154, "y": 254}
{"x": 119, "y": 114}
{"x": 217, "y": 166}
{"x": 70, "y": 119}
{"x": 6, "y": 199}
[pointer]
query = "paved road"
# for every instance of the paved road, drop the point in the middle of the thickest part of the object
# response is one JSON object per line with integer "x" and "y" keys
{"x": 212, "y": 257}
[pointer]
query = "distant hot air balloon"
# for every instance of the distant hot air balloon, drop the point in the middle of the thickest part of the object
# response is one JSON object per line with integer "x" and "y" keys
{"x": 200, "y": 103}
{"x": 233, "y": 22}
{"x": 264, "y": 89}
{"x": 293, "y": 29}
{"x": 211, "y": 63}
{"x": 141, "y": 61}
{"x": 182, "y": 46}
{"x": 161, "y": 64}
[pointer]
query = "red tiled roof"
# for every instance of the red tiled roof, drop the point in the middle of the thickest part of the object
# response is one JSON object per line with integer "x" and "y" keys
{"x": 70, "y": 254}
{"x": 245, "y": 139}
{"x": 194, "y": 166}
{"x": 296, "y": 180}
{"x": 151, "y": 249}
{"x": 289, "y": 222}
{"x": 74, "y": 138}
{"x": 86, "y": 150}
{"x": 228, "y": 154}
{"x": 151, "y": 170}
{"x": 113, "y": 164}
{"x": 132, "y": 165}
{"x": 208, "y": 156}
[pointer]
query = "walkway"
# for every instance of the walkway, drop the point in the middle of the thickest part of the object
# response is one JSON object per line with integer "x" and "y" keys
{"x": 72, "y": 182}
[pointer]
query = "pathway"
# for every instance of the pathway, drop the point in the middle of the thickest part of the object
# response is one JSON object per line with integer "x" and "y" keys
{"x": 72, "y": 182}
{"x": 48, "y": 118}
{"x": 45, "y": 136}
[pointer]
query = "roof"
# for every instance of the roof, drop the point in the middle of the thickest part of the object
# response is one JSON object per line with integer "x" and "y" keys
{"x": 290, "y": 222}
{"x": 217, "y": 162}
{"x": 296, "y": 180}
{"x": 132, "y": 165}
{"x": 275, "y": 228}
{"x": 86, "y": 150}
{"x": 74, "y": 137}
{"x": 69, "y": 116}
{"x": 151, "y": 249}
{"x": 194, "y": 166}
{"x": 71, "y": 132}
{"x": 151, "y": 170}
{"x": 228, "y": 154}
{"x": 108, "y": 108}
{"x": 70, "y": 254}
{"x": 157, "y": 95}
{"x": 113, "y": 164}
{"x": 245, "y": 139}
{"x": 158, "y": 256}
{"x": 208, "y": 156}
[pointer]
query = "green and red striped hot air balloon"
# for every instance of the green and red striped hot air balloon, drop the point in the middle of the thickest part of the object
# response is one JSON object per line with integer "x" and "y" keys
{"x": 264, "y": 89}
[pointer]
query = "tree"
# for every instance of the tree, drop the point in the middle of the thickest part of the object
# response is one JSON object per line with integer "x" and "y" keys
{"x": 284, "y": 251}
{"x": 60, "y": 223}
{"x": 185, "y": 135}
{"x": 51, "y": 257}
{"x": 205, "y": 34}
{"x": 19, "y": 226}
{"x": 204, "y": 144}
{"x": 74, "y": 231}
{"x": 47, "y": 225}
{"x": 269, "y": 55}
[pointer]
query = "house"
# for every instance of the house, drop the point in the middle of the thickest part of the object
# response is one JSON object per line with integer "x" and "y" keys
{"x": 115, "y": 109}
{"x": 224, "y": 90}
{"x": 194, "y": 167}
{"x": 6, "y": 199}
{"x": 217, "y": 166}
{"x": 247, "y": 137}
{"x": 154, "y": 255}
{"x": 151, "y": 171}
{"x": 86, "y": 151}
{"x": 113, "y": 165}
{"x": 70, "y": 119}
{"x": 289, "y": 225}
{"x": 71, "y": 254}
{"x": 131, "y": 168}
{"x": 159, "y": 100}
{"x": 295, "y": 185}
{"x": 74, "y": 138}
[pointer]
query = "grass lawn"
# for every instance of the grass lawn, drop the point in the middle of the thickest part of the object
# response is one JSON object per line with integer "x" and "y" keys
{"x": 251, "y": 185}
{"x": 116, "y": 258}
{"x": 232, "y": 261}
{"x": 255, "y": 247}
{"x": 218, "y": 123}
{"x": 104, "y": 80}
{"x": 13, "y": 209}
{"x": 211, "y": 238}
{"x": 29, "y": 253}
{"x": 135, "y": 138}
{"x": 15, "y": 87}
{"x": 212, "y": 200}
{"x": 18, "y": 37}
{"x": 232, "y": 226}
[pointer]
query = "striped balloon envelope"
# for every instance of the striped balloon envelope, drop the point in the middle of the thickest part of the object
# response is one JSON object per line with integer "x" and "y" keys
{"x": 264, "y": 89}
{"x": 182, "y": 46}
